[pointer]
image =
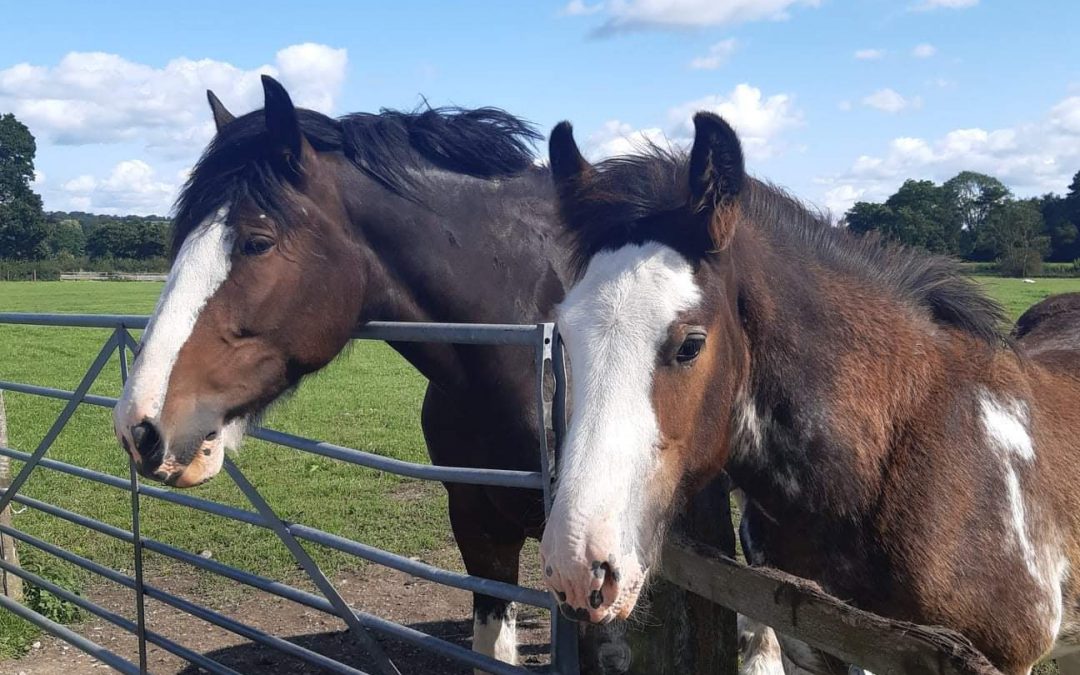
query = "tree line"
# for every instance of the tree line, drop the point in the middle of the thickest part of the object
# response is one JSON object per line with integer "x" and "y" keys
{"x": 972, "y": 215}
{"x": 43, "y": 244}
{"x": 975, "y": 217}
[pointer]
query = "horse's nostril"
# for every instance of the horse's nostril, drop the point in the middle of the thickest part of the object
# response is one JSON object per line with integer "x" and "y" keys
{"x": 147, "y": 440}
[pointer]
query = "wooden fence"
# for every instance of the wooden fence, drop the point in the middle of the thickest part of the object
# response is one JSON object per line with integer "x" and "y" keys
{"x": 10, "y": 585}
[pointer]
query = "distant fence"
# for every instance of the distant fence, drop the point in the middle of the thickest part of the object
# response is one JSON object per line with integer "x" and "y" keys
{"x": 111, "y": 276}
{"x": 548, "y": 360}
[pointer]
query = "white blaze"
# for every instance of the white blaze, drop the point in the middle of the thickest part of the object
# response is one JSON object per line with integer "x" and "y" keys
{"x": 201, "y": 266}
{"x": 614, "y": 321}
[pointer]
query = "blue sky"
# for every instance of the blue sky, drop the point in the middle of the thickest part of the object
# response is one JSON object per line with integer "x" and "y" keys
{"x": 835, "y": 99}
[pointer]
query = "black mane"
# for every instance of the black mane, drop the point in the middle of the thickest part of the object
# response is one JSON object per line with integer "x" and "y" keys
{"x": 389, "y": 146}
{"x": 634, "y": 199}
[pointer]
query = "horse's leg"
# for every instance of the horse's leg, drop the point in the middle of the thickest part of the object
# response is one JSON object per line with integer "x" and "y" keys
{"x": 490, "y": 543}
{"x": 490, "y": 546}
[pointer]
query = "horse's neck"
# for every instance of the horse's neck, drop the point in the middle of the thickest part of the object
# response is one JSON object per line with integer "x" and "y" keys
{"x": 837, "y": 372}
{"x": 475, "y": 252}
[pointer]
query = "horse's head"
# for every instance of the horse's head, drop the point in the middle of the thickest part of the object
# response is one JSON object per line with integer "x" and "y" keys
{"x": 658, "y": 354}
{"x": 262, "y": 291}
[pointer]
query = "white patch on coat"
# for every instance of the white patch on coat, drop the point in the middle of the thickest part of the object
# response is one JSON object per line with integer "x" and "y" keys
{"x": 496, "y": 637}
{"x": 201, "y": 266}
{"x": 614, "y": 321}
{"x": 1006, "y": 426}
{"x": 749, "y": 427}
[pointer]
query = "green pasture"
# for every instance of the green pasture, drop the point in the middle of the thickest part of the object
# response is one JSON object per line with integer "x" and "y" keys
{"x": 368, "y": 399}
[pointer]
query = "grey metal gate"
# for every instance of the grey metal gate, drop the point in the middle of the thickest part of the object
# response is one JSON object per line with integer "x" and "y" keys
{"x": 548, "y": 359}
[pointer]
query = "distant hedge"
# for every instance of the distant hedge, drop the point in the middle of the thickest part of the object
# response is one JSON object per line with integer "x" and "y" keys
{"x": 1049, "y": 269}
{"x": 50, "y": 270}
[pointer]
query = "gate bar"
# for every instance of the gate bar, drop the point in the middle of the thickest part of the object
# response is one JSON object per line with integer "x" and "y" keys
{"x": 390, "y": 331}
{"x": 62, "y": 419}
{"x": 415, "y": 568}
{"x": 113, "y": 618}
{"x": 70, "y": 636}
{"x": 315, "y": 574}
{"x": 388, "y": 628}
{"x": 443, "y": 474}
{"x": 198, "y": 611}
{"x": 123, "y": 340}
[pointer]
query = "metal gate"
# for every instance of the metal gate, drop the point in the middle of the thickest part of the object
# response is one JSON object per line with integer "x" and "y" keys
{"x": 548, "y": 359}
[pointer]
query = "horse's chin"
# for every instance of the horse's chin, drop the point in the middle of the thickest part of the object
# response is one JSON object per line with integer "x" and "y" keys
{"x": 209, "y": 457}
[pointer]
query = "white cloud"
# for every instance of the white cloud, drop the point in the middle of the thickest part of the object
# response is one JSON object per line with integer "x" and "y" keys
{"x": 1031, "y": 158}
{"x": 628, "y": 15}
{"x": 579, "y": 8}
{"x": 888, "y": 100}
{"x": 924, "y": 51}
{"x": 761, "y": 122}
{"x": 96, "y": 97}
{"x": 619, "y": 138}
{"x": 869, "y": 54}
{"x": 928, "y": 5}
{"x": 132, "y": 186}
{"x": 718, "y": 55}
{"x": 841, "y": 198}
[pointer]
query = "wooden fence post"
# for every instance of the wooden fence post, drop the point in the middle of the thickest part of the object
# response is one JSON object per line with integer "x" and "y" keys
{"x": 10, "y": 585}
{"x": 682, "y": 632}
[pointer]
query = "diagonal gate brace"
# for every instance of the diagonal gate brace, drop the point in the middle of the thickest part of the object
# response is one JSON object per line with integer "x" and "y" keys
{"x": 62, "y": 419}
{"x": 385, "y": 665}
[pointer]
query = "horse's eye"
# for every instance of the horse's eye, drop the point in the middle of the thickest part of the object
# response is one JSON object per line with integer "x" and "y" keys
{"x": 690, "y": 348}
{"x": 256, "y": 244}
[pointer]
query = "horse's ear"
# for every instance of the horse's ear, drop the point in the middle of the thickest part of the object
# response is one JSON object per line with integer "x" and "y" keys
{"x": 221, "y": 114}
{"x": 567, "y": 164}
{"x": 717, "y": 176}
{"x": 281, "y": 120}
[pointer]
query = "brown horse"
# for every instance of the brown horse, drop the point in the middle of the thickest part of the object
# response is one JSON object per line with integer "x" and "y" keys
{"x": 898, "y": 449}
{"x": 296, "y": 228}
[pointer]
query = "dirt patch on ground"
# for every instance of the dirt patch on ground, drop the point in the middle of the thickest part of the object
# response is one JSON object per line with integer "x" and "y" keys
{"x": 439, "y": 611}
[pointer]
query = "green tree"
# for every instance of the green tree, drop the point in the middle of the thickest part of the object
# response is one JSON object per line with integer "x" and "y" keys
{"x": 973, "y": 198}
{"x": 1062, "y": 230}
{"x": 866, "y": 217}
{"x": 66, "y": 236}
{"x": 128, "y": 237}
{"x": 1015, "y": 233}
{"x": 22, "y": 223}
{"x": 922, "y": 217}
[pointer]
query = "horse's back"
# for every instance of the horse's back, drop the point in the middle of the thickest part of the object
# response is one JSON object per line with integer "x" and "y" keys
{"x": 1050, "y": 331}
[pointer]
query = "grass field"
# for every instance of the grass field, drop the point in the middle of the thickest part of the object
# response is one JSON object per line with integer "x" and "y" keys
{"x": 368, "y": 399}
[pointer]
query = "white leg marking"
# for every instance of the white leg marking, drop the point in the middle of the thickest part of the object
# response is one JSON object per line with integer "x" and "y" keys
{"x": 201, "y": 266}
{"x": 497, "y": 637}
{"x": 758, "y": 648}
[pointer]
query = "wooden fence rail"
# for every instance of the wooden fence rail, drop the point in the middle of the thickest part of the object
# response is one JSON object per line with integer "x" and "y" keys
{"x": 799, "y": 609}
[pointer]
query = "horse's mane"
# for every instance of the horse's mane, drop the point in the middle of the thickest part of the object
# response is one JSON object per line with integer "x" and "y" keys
{"x": 388, "y": 146}
{"x": 632, "y": 199}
